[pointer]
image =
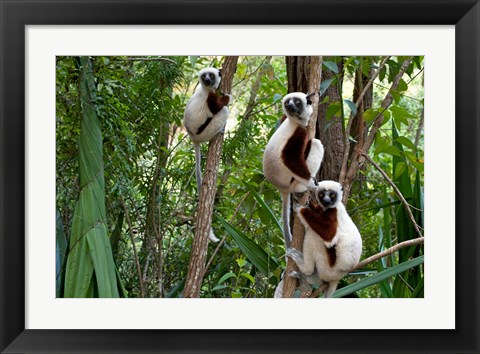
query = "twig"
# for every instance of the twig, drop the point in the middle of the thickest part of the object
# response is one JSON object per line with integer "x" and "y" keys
{"x": 389, "y": 251}
{"x": 137, "y": 262}
{"x": 397, "y": 191}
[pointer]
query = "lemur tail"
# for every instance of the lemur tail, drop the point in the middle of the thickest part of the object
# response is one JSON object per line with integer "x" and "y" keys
{"x": 198, "y": 176}
{"x": 198, "y": 165}
{"x": 212, "y": 236}
{"x": 286, "y": 218}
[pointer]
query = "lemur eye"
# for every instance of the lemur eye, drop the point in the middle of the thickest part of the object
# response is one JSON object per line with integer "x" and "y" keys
{"x": 212, "y": 76}
{"x": 297, "y": 101}
{"x": 203, "y": 76}
{"x": 333, "y": 195}
{"x": 321, "y": 195}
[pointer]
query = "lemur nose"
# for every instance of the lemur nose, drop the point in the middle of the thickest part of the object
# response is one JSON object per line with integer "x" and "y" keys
{"x": 326, "y": 201}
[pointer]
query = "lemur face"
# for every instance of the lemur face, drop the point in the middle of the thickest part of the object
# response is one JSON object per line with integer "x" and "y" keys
{"x": 298, "y": 106}
{"x": 329, "y": 194}
{"x": 209, "y": 78}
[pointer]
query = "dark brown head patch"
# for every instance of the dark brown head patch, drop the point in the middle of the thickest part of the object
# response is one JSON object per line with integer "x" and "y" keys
{"x": 216, "y": 102}
{"x": 293, "y": 154}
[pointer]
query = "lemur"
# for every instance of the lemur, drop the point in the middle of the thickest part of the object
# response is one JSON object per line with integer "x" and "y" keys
{"x": 332, "y": 246}
{"x": 205, "y": 116}
{"x": 290, "y": 160}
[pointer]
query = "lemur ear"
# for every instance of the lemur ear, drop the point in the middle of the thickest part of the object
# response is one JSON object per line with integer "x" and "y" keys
{"x": 220, "y": 72}
{"x": 308, "y": 96}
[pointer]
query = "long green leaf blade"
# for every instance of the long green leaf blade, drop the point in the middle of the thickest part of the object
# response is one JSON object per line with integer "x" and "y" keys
{"x": 254, "y": 252}
{"x": 375, "y": 279}
{"x": 90, "y": 262}
{"x": 264, "y": 206}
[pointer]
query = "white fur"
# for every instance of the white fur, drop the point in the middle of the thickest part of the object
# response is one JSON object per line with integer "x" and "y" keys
{"x": 347, "y": 241}
{"x": 277, "y": 172}
{"x": 196, "y": 113}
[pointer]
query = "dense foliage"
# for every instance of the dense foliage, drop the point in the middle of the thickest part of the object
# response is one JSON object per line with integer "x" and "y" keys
{"x": 150, "y": 196}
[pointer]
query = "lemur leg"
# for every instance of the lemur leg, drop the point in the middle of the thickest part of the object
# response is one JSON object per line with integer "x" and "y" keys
{"x": 279, "y": 290}
{"x": 304, "y": 261}
{"x": 332, "y": 286}
{"x": 315, "y": 157}
{"x": 198, "y": 165}
{"x": 286, "y": 218}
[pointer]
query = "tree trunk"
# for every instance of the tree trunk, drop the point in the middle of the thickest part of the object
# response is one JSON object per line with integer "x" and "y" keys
{"x": 304, "y": 75}
{"x": 330, "y": 131}
{"x": 207, "y": 197}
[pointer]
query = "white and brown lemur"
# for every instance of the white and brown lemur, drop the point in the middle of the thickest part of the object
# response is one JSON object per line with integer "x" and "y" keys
{"x": 205, "y": 116}
{"x": 290, "y": 160}
{"x": 332, "y": 245}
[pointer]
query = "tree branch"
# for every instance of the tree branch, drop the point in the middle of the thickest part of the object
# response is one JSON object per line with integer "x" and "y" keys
{"x": 389, "y": 251}
{"x": 356, "y": 159}
{"x": 346, "y": 152}
{"x": 397, "y": 192}
{"x": 207, "y": 198}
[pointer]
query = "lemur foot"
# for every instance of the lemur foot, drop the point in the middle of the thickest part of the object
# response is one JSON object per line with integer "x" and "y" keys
{"x": 294, "y": 254}
{"x": 296, "y": 274}
{"x": 297, "y": 197}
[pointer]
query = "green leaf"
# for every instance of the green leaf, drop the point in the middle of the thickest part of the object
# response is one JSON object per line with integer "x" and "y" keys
{"x": 402, "y": 86}
{"x": 406, "y": 142}
{"x": 259, "y": 258}
{"x": 248, "y": 276}
{"x": 352, "y": 106}
{"x": 325, "y": 84}
{"x": 225, "y": 277}
{"x": 370, "y": 114}
{"x": 400, "y": 169}
{"x": 219, "y": 287}
{"x": 381, "y": 143}
{"x": 331, "y": 65}
{"x": 392, "y": 150}
{"x": 241, "y": 262}
{"x": 333, "y": 110}
{"x": 377, "y": 278}
{"x": 193, "y": 59}
{"x": 400, "y": 115}
{"x": 61, "y": 253}
{"x": 90, "y": 267}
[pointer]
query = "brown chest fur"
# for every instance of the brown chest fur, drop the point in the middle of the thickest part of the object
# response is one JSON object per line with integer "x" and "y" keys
{"x": 295, "y": 153}
{"x": 324, "y": 223}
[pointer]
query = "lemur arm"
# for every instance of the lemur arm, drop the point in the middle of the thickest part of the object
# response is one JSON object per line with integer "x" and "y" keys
{"x": 216, "y": 102}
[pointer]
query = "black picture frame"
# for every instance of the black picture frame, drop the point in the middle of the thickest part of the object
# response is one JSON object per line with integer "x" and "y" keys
{"x": 15, "y": 15}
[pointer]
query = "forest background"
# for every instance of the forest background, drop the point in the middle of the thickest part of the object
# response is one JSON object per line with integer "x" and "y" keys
{"x": 125, "y": 182}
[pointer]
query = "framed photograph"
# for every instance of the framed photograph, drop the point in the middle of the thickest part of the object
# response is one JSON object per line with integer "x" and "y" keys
{"x": 93, "y": 99}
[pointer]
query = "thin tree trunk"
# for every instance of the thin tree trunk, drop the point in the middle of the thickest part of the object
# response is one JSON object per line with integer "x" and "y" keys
{"x": 304, "y": 74}
{"x": 357, "y": 159}
{"x": 330, "y": 131}
{"x": 207, "y": 198}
